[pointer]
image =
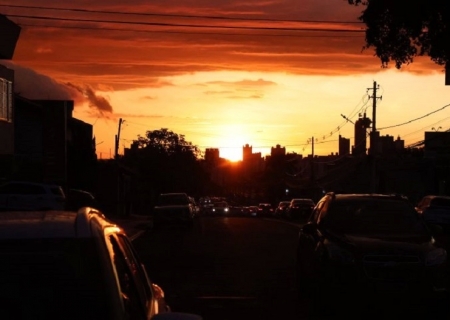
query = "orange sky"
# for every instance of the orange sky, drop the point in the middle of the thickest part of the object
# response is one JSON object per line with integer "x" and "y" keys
{"x": 221, "y": 73}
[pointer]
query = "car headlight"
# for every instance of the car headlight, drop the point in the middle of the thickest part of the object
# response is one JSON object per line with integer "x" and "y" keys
{"x": 436, "y": 257}
{"x": 339, "y": 254}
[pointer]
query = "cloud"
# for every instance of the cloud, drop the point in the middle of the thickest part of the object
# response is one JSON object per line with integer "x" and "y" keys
{"x": 36, "y": 86}
{"x": 99, "y": 104}
{"x": 245, "y": 82}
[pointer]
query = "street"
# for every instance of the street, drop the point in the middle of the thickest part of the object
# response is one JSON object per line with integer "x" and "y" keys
{"x": 239, "y": 268}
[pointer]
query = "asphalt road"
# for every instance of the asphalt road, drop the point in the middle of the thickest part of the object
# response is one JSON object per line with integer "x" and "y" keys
{"x": 243, "y": 268}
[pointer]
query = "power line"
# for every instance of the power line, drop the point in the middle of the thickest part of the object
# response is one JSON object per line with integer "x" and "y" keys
{"x": 186, "y": 32}
{"x": 177, "y": 15}
{"x": 410, "y": 121}
{"x": 160, "y": 24}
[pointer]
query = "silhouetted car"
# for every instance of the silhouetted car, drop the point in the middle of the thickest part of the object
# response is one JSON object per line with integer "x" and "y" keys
{"x": 280, "y": 211}
{"x": 300, "y": 208}
{"x": 173, "y": 208}
{"x": 265, "y": 209}
{"x": 27, "y": 195}
{"x": 220, "y": 208}
{"x": 205, "y": 205}
{"x": 77, "y": 199}
{"x": 251, "y": 211}
{"x": 358, "y": 244}
{"x": 435, "y": 210}
{"x": 73, "y": 265}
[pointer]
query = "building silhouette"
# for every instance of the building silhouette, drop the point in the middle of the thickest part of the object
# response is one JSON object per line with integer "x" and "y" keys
{"x": 344, "y": 146}
{"x": 361, "y": 126}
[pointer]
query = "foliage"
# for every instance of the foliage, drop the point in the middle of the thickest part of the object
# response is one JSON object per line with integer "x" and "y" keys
{"x": 167, "y": 142}
{"x": 166, "y": 162}
{"x": 400, "y": 30}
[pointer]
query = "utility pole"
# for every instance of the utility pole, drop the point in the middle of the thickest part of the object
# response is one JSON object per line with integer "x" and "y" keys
{"x": 373, "y": 151}
{"x": 373, "y": 138}
{"x": 312, "y": 160}
{"x": 116, "y": 145}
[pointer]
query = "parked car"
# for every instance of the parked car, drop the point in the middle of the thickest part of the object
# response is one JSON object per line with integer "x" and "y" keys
{"x": 363, "y": 244}
{"x": 251, "y": 211}
{"x": 195, "y": 205}
{"x": 435, "y": 210}
{"x": 281, "y": 209}
{"x": 300, "y": 208}
{"x": 77, "y": 199}
{"x": 205, "y": 205}
{"x": 25, "y": 195}
{"x": 173, "y": 208}
{"x": 265, "y": 209}
{"x": 74, "y": 265}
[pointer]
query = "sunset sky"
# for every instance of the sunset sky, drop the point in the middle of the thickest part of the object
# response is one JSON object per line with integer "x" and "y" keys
{"x": 221, "y": 73}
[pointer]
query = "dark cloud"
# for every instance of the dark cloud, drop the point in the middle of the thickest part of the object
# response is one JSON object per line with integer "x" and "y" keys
{"x": 98, "y": 103}
{"x": 36, "y": 86}
{"x": 33, "y": 85}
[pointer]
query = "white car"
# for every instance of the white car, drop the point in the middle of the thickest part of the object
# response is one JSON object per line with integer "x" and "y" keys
{"x": 25, "y": 195}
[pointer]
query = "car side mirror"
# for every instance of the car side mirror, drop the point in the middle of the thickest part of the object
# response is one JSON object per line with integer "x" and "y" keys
{"x": 309, "y": 228}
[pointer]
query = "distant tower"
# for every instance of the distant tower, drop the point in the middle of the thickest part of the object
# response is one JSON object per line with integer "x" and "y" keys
{"x": 344, "y": 146}
{"x": 399, "y": 144}
{"x": 212, "y": 155}
{"x": 278, "y": 151}
{"x": 361, "y": 126}
{"x": 247, "y": 152}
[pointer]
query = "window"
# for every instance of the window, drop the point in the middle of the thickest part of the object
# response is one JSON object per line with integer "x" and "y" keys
{"x": 125, "y": 273}
{"x": 6, "y": 100}
{"x": 24, "y": 189}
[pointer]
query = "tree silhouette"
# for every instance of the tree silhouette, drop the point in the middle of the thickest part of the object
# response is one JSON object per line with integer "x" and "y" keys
{"x": 400, "y": 30}
{"x": 166, "y": 162}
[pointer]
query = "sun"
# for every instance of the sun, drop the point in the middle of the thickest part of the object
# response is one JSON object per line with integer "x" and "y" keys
{"x": 231, "y": 153}
{"x": 233, "y": 138}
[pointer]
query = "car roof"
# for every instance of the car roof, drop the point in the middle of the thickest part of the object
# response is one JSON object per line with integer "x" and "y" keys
{"x": 31, "y": 183}
{"x": 51, "y": 224}
{"x": 368, "y": 196}
{"x": 437, "y": 196}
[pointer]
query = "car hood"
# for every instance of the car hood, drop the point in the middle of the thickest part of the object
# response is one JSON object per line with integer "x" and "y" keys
{"x": 382, "y": 244}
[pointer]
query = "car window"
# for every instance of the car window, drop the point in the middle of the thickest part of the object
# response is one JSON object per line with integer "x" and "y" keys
{"x": 57, "y": 191}
{"x": 125, "y": 274}
{"x": 137, "y": 267}
{"x": 424, "y": 202}
{"x": 220, "y": 204}
{"x": 315, "y": 216}
{"x": 441, "y": 202}
{"x": 366, "y": 216}
{"x": 25, "y": 189}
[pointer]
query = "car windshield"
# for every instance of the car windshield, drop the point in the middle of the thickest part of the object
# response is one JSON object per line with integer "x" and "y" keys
{"x": 173, "y": 199}
{"x": 372, "y": 217}
{"x": 50, "y": 279}
{"x": 220, "y": 205}
{"x": 441, "y": 202}
{"x": 303, "y": 202}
